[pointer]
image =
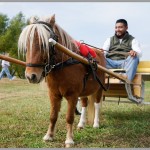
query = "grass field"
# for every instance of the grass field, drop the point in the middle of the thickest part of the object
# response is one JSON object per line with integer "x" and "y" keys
{"x": 24, "y": 111}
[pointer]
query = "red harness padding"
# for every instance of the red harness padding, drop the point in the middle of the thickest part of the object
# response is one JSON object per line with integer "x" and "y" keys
{"x": 85, "y": 50}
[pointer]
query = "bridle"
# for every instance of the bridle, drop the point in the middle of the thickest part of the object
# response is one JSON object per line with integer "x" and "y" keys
{"x": 49, "y": 65}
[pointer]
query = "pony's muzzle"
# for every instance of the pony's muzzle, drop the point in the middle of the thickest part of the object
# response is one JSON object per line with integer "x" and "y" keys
{"x": 32, "y": 78}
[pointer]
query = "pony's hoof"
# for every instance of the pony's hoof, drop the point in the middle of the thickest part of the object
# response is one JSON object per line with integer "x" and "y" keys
{"x": 96, "y": 125}
{"x": 47, "y": 138}
{"x": 80, "y": 126}
{"x": 69, "y": 143}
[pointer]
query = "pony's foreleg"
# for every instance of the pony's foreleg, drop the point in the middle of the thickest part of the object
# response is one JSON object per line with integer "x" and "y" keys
{"x": 55, "y": 108}
{"x": 82, "y": 121}
{"x": 70, "y": 119}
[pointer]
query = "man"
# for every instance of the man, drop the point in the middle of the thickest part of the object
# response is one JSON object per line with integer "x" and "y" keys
{"x": 118, "y": 46}
{"x": 5, "y": 70}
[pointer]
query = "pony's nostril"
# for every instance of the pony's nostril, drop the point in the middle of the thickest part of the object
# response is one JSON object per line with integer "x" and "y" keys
{"x": 33, "y": 77}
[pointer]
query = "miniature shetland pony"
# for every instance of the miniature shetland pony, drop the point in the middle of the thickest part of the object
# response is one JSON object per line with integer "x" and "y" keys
{"x": 63, "y": 81}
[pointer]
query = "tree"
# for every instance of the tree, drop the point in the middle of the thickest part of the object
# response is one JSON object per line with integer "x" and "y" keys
{"x": 3, "y": 27}
{"x": 16, "y": 25}
{"x": 3, "y": 23}
{"x": 9, "y": 38}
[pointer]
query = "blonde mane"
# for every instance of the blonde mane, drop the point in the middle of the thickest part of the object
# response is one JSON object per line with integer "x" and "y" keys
{"x": 43, "y": 32}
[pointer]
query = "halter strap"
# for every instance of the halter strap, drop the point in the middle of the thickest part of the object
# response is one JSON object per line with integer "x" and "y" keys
{"x": 35, "y": 65}
{"x": 53, "y": 35}
{"x": 45, "y": 23}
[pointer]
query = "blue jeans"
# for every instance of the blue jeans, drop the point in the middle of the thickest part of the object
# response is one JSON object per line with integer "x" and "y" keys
{"x": 130, "y": 65}
{"x": 6, "y": 71}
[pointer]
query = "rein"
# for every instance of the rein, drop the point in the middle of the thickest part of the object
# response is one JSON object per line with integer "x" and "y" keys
{"x": 113, "y": 52}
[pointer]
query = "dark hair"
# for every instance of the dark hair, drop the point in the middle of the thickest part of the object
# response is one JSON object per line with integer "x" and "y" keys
{"x": 122, "y": 21}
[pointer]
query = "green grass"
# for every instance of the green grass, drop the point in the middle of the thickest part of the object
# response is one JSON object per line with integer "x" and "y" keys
{"x": 24, "y": 111}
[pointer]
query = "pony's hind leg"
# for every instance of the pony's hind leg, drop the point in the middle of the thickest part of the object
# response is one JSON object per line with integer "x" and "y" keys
{"x": 70, "y": 119}
{"x": 96, "y": 118}
{"x": 82, "y": 121}
{"x": 54, "y": 110}
{"x": 97, "y": 109}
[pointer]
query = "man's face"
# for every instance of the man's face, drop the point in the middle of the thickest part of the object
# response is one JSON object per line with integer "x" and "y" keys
{"x": 120, "y": 29}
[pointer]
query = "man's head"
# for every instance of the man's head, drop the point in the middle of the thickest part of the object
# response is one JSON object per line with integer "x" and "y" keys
{"x": 121, "y": 28}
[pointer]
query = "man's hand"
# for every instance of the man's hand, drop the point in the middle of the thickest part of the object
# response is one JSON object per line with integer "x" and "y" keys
{"x": 132, "y": 53}
{"x": 101, "y": 50}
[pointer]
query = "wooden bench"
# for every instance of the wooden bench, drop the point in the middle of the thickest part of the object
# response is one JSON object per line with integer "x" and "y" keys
{"x": 144, "y": 70}
{"x": 117, "y": 88}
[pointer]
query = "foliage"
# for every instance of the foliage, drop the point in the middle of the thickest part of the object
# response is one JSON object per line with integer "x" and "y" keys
{"x": 10, "y": 31}
{"x": 3, "y": 23}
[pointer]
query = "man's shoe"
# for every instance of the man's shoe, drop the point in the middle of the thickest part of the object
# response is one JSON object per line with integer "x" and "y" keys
{"x": 13, "y": 78}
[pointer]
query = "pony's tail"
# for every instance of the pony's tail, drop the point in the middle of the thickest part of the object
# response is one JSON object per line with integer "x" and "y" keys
{"x": 90, "y": 110}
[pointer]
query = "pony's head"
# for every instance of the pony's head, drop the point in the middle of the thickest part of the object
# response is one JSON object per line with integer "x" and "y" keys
{"x": 34, "y": 43}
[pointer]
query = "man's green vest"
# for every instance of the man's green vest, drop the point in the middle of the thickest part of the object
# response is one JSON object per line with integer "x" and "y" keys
{"x": 116, "y": 46}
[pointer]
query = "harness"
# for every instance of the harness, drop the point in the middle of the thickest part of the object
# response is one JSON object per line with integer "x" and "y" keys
{"x": 52, "y": 65}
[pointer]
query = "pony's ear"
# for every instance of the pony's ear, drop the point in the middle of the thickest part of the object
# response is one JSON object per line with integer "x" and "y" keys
{"x": 33, "y": 19}
{"x": 52, "y": 20}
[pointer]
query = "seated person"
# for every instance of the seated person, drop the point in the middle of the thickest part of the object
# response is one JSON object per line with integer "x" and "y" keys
{"x": 121, "y": 42}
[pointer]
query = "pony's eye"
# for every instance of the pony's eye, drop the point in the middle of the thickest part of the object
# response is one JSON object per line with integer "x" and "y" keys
{"x": 45, "y": 61}
{"x": 42, "y": 46}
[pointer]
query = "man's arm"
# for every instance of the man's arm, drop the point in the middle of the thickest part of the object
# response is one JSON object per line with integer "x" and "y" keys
{"x": 136, "y": 49}
{"x": 106, "y": 45}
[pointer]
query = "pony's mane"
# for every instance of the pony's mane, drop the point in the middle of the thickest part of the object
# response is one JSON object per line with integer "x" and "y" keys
{"x": 43, "y": 32}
